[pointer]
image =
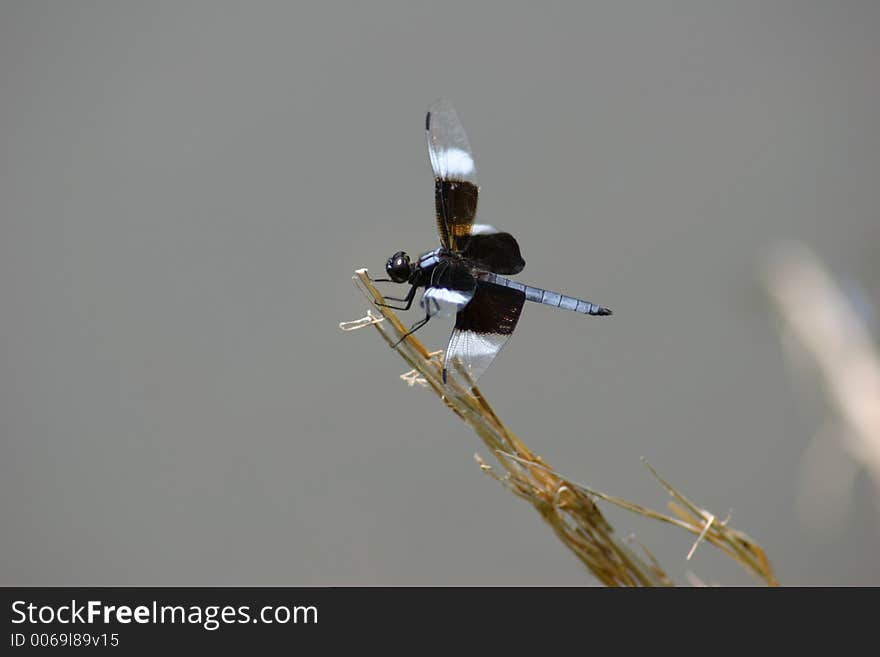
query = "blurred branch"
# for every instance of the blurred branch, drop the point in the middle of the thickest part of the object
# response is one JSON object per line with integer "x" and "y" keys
{"x": 569, "y": 508}
{"x": 819, "y": 316}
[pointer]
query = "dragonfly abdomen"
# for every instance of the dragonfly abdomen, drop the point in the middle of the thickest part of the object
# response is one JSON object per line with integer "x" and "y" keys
{"x": 548, "y": 298}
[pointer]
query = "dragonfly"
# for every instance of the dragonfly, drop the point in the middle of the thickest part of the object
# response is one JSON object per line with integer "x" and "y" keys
{"x": 468, "y": 274}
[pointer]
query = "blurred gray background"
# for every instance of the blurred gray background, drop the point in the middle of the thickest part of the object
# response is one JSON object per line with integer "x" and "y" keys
{"x": 187, "y": 187}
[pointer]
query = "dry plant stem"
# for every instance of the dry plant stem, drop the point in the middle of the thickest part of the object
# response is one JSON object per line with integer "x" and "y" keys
{"x": 824, "y": 322}
{"x": 568, "y": 508}
{"x": 734, "y": 543}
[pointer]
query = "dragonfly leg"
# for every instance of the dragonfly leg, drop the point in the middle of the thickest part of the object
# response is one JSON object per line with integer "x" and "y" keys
{"x": 408, "y": 300}
{"x": 412, "y": 329}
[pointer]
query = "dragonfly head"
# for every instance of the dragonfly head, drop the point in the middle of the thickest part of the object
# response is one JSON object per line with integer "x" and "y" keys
{"x": 398, "y": 267}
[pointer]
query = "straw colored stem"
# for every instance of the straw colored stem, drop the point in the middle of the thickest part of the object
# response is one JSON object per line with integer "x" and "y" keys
{"x": 569, "y": 508}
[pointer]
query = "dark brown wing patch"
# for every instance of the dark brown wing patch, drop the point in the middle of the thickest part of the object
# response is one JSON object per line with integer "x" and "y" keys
{"x": 456, "y": 203}
{"x": 494, "y": 309}
{"x": 494, "y": 252}
{"x": 482, "y": 328}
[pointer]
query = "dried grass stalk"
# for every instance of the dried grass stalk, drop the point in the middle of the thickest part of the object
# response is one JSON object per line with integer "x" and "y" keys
{"x": 569, "y": 508}
{"x": 816, "y": 312}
